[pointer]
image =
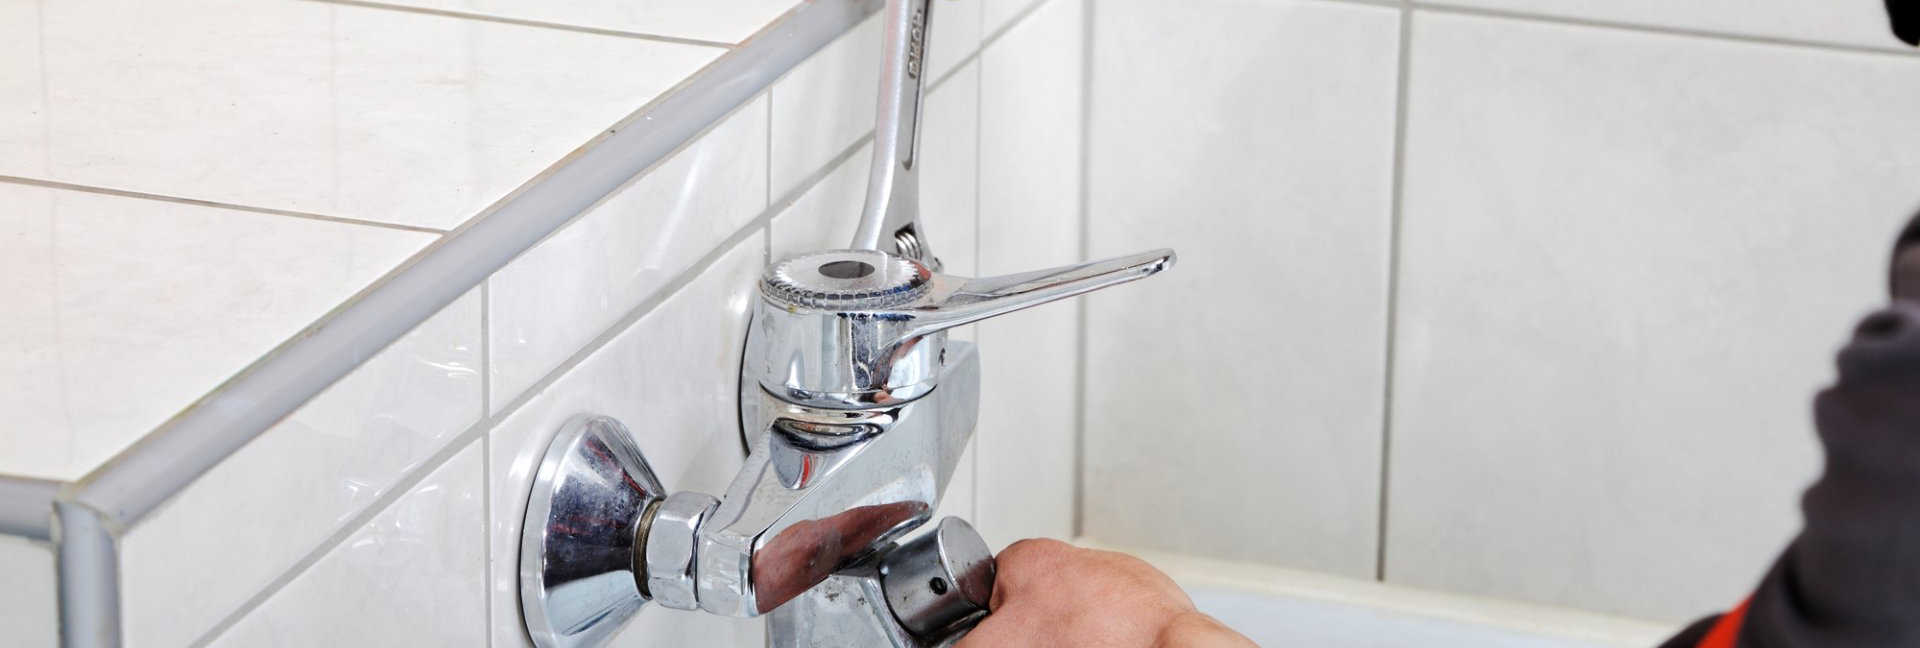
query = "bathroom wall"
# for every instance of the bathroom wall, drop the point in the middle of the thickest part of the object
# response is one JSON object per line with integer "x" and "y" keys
{"x": 1516, "y": 298}
{"x": 28, "y": 608}
{"x": 387, "y": 511}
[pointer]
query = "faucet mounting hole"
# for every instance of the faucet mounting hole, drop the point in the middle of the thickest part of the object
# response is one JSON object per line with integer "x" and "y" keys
{"x": 938, "y": 585}
{"x": 846, "y": 269}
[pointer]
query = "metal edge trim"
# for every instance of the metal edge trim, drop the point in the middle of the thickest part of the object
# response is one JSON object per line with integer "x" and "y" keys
{"x": 171, "y": 457}
{"x": 26, "y": 507}
{"x": 89, "y": 578}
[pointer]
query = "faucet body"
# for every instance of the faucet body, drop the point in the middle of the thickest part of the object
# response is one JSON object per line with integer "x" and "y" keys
{"x": 856, "y": 407}
{"x": 823, "y": 489}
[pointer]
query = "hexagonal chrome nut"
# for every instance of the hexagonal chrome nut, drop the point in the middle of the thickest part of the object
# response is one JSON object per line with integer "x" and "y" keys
{"x": 670, "y": 548}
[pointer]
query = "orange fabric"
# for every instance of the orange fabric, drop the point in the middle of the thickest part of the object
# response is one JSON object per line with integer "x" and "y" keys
{"x": 1727, "y": 632}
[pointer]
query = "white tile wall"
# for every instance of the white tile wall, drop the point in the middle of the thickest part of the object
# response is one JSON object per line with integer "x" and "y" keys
{"x": 1030, "y": 117}
{"x": 81, "y": 266}
{"x": 950, "y": 170}
{"x": 357, "y": 112}
{"x": 1626, "y": 261}
{"x": 1849, "y": 22}
{"x": 555, "y": 298}
{"x": 824, "y": 216}
{"x": 1241, "y": 392}
{"x": 284, "y": 493}
{"x": 824, "y": 105}
{"x": 672, "y": 379}
{"x": 956, "y": 35}
{"x": 998, "y": 14}
{"x": 29, "y": 617}
{"x": 410, "y": 577}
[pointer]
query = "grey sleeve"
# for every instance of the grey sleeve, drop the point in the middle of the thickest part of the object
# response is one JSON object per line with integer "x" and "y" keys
{"x": 1852, "y": 577}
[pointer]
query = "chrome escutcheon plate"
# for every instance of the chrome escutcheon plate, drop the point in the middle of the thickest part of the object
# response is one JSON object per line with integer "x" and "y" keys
{"x": 578, "y": 580}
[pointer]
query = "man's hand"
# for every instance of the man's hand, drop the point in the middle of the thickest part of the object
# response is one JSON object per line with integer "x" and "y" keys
{"x": 1050, "y": 593}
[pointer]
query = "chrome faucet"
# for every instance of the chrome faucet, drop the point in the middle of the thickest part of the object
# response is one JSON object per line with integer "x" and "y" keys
{"x": 857, "y": 408}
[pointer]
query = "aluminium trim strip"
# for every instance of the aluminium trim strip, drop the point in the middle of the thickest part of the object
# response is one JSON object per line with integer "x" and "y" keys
{"x": 89, "y": 577}
{"x": 146, "y": 475}
{"x": 26, "y": 507}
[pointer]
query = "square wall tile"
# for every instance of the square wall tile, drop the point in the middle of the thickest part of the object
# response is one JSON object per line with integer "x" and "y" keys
{"x": 824, "y": 105}
{"x": 315, "y": 107}
{"x": 1241, "y": 390}
{"x": 672, "y": 378}
{"x": 413, "y": 576}
{"x": 288, "y": 490}
{"x": 1846, "y": 22}
{"x": 1030, "y": 116}
{"x": 1627, "y": 259}
{"x": 29, "y": 600}
{"x": 558, "y": 296}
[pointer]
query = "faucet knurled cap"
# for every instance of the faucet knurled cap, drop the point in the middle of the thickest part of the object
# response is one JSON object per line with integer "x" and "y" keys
{"x": 846, "y": 280}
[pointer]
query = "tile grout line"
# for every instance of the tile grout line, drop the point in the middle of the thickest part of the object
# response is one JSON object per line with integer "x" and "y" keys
{"x": 487, "y": 422}
{"x": 486, "y": 457}
{"x": 139, "y": 195}
{"x": 1081, "y": 307}
{"x": 1013, "y": 22}
{"x": 1394, "y": 218}
{"x": 525, "y": 22}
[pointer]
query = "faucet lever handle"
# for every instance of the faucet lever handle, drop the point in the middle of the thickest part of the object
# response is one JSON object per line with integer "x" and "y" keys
{"x": 843, "y": 329}
{"x": 966, "y": 301}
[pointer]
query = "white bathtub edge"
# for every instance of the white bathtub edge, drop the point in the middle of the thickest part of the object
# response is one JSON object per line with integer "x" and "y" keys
{"x": 1518, "y": 616}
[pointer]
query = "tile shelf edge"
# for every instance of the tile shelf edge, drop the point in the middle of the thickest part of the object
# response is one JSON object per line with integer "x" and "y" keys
{"x": 140, "y": 478}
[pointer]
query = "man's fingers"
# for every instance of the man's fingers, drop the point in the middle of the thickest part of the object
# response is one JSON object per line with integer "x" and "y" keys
{"x": 1023, "y": 560}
